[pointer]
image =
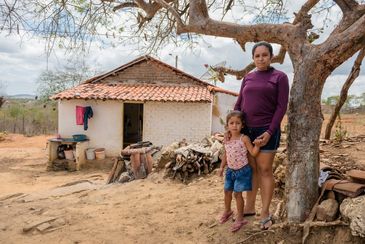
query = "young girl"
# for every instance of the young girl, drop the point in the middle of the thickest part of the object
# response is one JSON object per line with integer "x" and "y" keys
{"x": 239, "y": 173}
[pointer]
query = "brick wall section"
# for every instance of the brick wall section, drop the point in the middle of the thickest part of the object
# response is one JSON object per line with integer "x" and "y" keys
{"x": 165, "y": 123}
{"x": 150, "y": 72}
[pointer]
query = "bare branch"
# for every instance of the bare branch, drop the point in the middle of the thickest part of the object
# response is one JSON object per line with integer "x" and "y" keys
{"x": 355, "y": 71}
{"x": 299, "y": 17}
{"x": 125, "y": 5}
{"x": 304, "y": 11}
{"x": 172, "y": 11}
{"x": 349, "y": 18}
{"x": 346, "y": 6}
{"x": 341, "y": 46}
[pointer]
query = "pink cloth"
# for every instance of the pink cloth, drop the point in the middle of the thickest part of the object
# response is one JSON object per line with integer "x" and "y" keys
{"x": 80, "y": 115}
{"x": 236, "y": 153}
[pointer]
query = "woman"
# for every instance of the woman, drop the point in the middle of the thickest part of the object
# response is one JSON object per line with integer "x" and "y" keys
{"x": 263, "y": 100}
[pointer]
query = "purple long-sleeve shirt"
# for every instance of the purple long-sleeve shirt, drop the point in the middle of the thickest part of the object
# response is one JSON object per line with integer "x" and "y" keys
{"x": 263, "y": 98}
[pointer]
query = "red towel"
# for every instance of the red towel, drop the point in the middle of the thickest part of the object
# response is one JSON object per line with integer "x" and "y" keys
{"x": 80, "y": 115}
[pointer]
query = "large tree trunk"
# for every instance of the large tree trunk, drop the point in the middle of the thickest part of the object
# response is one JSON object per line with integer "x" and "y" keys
{"x": 345, "y": 88}
{"x": 305, "y": 121}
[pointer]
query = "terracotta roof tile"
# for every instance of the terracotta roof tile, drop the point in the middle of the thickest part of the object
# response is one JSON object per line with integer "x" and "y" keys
{"x": 137, "y": 92}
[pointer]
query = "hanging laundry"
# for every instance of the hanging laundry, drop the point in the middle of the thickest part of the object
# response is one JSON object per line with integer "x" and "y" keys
{"x": 87, "y": 115}
{"x": 80, "y": 111}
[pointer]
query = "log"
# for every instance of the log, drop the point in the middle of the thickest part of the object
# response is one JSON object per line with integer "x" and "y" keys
{"x": 111, "y": 174}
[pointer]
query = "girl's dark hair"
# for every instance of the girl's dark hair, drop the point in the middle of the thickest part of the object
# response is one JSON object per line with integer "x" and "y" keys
{"x": 235, "y": 113}
{"x": 265, "y": 44}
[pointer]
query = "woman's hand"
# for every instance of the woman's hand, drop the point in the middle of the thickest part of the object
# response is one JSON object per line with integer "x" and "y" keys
{"x": 263, "y": 139}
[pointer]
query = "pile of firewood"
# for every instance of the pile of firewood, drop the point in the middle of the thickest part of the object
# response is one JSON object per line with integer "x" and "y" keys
{"x": 194, "y": 159}
{"x": 122, "y": 170}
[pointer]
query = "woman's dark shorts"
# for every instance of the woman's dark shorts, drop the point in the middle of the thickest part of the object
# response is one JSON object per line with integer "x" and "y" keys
{"x": 239, "y": 180}
{"x": 254, "y": 132}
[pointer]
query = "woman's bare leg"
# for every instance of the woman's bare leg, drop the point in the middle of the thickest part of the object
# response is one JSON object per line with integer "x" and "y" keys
{"x": 267, "y": 184}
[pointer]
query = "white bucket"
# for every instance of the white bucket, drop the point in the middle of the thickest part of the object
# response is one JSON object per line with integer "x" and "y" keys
{"x": 100, "y": 153}
{"x": 90, "y": 154}
{"x": 69, "y": 154}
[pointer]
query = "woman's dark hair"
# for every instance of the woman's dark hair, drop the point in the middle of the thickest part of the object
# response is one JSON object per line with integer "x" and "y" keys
{"x": 265, "y": 44}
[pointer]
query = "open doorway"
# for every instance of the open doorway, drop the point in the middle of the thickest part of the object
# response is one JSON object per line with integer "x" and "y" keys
{"x": 133, "y": 123}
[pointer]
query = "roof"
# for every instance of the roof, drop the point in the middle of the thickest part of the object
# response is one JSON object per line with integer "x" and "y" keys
{"x": 94, "y": 88}
{"x": 137, "y": 92}
{"x": 139, "y": 60}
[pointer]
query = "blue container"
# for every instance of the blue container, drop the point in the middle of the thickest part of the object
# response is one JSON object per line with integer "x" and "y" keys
{"x": 79, "y": 137}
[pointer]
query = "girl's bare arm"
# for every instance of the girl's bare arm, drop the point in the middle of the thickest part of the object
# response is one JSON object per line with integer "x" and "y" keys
{"x": 253, "y": 150}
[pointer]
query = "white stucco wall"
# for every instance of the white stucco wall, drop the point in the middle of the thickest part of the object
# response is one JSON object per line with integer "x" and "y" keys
{"x": 165, "y": 123}
{"x": 105, "y": 128}
{"x": 222, "y": 104}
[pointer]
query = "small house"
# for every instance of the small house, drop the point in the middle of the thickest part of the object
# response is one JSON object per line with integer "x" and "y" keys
{"x": 145, "y": 99}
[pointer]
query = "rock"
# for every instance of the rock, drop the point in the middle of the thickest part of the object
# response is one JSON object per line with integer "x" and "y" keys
{"x": 327, "y": 210}
{"x": 43, "y": 227}
{"x": 3, "y": 227}
{"x": 353, "y": 209}
{"x": 58, "y": 222}
{"x": 34, "y": 224}
{"x": 124, "y": 177}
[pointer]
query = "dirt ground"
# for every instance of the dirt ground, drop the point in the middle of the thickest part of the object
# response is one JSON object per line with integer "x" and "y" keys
{"x": 81, "y": 208}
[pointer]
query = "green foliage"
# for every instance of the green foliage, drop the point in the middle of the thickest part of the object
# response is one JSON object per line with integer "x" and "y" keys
{"x": 332, "y": 100}
{"x": 351, "y": 101}
{"x": 29, "y": 117}
{"x": 340, "y": 133}
{"x": 16, "y": 111}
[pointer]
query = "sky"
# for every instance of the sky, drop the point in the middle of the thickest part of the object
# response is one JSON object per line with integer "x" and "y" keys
{"x": 22, "y": 59}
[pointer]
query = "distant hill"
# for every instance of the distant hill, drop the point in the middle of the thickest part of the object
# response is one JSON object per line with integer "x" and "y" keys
{"x": 21, "y": 96}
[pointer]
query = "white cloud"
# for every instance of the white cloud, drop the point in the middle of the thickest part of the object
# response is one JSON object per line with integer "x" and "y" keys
{"x": 22, "y": 63}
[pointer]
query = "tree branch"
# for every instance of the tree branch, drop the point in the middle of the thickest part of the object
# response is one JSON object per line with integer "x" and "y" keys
{"x": 355, "y": 71}
{"x": 304, "y": 10}
{"x": 173, "y": 11}
{"x": 279, "y": 58}
{"x": 341, "y": 46}
{"x": 241, "y": 73}
{"x": 346, "y": 6}
{"x": 349, "y": 18}
{"x": 125, "y": 5}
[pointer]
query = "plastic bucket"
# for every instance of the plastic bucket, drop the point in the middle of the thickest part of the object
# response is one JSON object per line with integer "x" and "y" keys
{"x": 69, "y": 154}
{"x": 90, "y": 154}
{"x": 100, "y": 153}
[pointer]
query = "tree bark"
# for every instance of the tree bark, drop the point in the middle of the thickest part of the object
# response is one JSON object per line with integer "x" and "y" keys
{"x": 345, "y": 88}
{"x": 305, "y": 121}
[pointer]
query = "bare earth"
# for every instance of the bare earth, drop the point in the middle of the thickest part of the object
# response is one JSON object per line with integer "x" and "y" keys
{"x": 153, "y": 210}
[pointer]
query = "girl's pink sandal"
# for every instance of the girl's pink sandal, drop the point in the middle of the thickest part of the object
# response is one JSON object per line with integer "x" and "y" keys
{"x": 238, "y": 224}
{"x": 225, "y": 217}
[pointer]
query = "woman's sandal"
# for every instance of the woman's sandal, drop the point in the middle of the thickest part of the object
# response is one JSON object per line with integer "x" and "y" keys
{"x": 265, "y": 221}
{"x": 225, "y": 217}
{"x": 238, "y": 224}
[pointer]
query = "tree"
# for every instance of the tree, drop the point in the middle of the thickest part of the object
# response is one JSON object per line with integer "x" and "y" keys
{"x": 2, "y": 93}
{"x": 52, "y": 82}
{"x": 159, "y": 20}
{"x": 345, "y": 88}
